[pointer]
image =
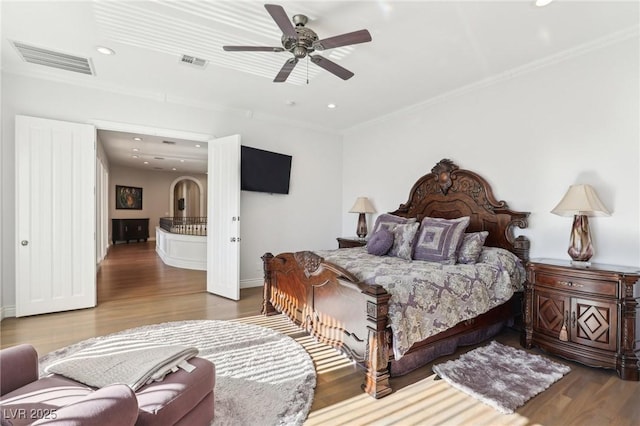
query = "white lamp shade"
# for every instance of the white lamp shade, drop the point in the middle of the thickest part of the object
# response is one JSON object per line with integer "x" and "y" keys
{"x": 362, "y": 205}
{"x": 581, "y": 200}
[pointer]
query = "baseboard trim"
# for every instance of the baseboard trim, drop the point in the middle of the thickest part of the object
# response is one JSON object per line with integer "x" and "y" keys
{"x": 7, "y": 312}
{"x": 253, "y": 282}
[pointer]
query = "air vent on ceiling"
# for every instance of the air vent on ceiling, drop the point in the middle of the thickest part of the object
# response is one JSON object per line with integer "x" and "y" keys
{"x": 193, "y": 61}
{"x": 158, "y": 168}
{"x": 158, "y": 158}
{"x": 169, "y": 142}
{"x": 51, "y": 58}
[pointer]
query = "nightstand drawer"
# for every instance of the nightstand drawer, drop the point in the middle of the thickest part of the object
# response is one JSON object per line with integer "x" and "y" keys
{"x": 345, "y": 242}
{"x": 568, "y": 283}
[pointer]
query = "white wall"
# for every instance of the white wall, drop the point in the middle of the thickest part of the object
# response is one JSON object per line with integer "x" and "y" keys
{"x": 530, "y": 136}
{"x": 309, "y": 217}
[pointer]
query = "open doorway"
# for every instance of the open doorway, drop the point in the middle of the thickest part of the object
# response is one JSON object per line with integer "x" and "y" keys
{"x": 152, "y": 160}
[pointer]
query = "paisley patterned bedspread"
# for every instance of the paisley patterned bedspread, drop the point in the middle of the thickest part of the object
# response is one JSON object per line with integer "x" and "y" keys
{"x": 426, "y": 297}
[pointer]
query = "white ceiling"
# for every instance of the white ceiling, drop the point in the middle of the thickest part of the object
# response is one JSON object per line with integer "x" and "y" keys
{"x": 421, "y": 51}
{"x": 154, "y": 152}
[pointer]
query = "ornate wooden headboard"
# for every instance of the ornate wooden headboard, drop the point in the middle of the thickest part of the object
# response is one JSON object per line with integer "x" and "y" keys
{"x": 450, "y": 192}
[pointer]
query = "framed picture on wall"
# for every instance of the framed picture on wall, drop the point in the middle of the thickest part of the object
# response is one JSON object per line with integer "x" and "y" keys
{"x": 128, "y": 197}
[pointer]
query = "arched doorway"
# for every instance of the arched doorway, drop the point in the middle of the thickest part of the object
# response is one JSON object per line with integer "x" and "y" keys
{"x": 186, "y": 197}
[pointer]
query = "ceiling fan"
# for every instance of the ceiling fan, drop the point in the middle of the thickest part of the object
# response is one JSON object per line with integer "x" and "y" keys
{"x": 301, "y": 42}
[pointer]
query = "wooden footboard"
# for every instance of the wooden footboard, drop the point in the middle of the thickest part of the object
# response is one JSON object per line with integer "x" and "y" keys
{"x": 328, "y": 302}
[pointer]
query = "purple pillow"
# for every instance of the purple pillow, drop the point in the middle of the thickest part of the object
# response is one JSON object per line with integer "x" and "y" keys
{"x": 471, "y": 247}
{"x": 403, "y": 237}
{"x": 389, "y": 221}
{"x": 380, "y": 242}
{"x": 439, "y": 239}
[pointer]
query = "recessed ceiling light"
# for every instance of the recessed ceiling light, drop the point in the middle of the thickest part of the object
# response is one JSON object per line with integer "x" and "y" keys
{"x": 182, "y": 161}
{"x": 331, "y": 106}
{"x": 542, "y": 3}
{"x": 197, "y": 146}
{"x": 174, "y": 168}
{"x": 105, "y": 50}
{"x": 146, "y": 162}
{"x": 135, "y": 150}
{"x": 137, "y": 139}
{"x": 134, "y": 156}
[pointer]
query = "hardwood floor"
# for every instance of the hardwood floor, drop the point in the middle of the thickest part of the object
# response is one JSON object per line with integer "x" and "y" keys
{"x": 135, "y": 288}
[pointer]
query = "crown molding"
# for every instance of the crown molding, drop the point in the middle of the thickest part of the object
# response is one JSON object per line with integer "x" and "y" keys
{"x": 611, "y": 39}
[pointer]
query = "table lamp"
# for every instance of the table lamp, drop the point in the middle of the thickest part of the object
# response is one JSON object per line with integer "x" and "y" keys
{"x": 580, "y": 201}
{"x": 362, "y": 206}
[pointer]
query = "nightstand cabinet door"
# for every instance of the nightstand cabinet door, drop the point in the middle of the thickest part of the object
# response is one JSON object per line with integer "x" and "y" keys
{"x": 594, "y": 323}
{"x": 550, "y": 312}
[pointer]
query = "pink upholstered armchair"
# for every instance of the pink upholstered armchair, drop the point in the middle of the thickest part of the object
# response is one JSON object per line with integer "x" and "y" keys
{"x": 26, "y": 399}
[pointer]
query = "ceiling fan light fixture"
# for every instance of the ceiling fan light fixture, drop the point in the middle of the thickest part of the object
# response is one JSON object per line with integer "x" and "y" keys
{"x": 331, "y": 106}
{"x": 299, "y": 52}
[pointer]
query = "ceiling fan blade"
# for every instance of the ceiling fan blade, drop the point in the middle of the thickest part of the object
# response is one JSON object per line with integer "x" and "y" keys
{"x": 361, "y": 36}
{"x": 252, "y": 49}
{"x": 331, "y": 66}
{"x": 286, "y": 70}
{"x": 280, "y": 16}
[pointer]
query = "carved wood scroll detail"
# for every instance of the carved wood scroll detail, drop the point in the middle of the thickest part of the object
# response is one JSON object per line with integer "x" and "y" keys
{"x": 447, "y": 177}
{"x": 442, "y": 174}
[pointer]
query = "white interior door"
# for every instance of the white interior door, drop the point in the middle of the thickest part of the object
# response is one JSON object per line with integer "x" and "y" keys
{"x": 223, "y": 229}
{"x": 55, "y": 216}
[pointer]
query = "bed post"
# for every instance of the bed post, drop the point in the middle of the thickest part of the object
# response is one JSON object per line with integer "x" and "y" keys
{"x": 376, "y": 382}
{"x": 267, "y": 306}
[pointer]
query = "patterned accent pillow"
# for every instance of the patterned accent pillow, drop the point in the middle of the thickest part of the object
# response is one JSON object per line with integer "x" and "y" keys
{"x": 380, "y": 242}
{"x": 389, "y": 221}
{"x": 471, "y": 247}
{"x": 403, "y": 237}
{"x": 439, "y": 239}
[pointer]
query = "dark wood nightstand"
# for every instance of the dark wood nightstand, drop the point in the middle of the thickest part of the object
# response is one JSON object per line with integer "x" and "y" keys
{"x": 347, "y": 242}
{"x": 598, "y": 306}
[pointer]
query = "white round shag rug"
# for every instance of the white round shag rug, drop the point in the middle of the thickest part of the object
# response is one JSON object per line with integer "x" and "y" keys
{"x": 263, "y": 377}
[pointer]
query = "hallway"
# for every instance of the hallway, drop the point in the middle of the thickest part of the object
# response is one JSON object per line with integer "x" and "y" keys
{"x": 135, "y": 270}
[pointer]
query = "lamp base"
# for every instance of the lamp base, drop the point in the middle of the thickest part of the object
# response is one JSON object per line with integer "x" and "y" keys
{"x": 361, "y": 231}
{"x": 580, "y": 247}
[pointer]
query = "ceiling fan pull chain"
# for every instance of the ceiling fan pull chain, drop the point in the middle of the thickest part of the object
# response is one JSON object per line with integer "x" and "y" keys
{"x": 307, "y": 69}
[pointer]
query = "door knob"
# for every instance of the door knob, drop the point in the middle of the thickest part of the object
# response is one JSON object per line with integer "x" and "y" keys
{"x": 24, "y": 242}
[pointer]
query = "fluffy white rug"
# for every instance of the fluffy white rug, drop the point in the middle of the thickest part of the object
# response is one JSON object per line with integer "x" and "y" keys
{"x": 263, "y": 377}
{"x": 501, "y": 376}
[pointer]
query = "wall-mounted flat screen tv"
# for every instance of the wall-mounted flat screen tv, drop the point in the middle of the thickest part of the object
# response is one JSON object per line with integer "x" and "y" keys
{"x": 264, "y": 171}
